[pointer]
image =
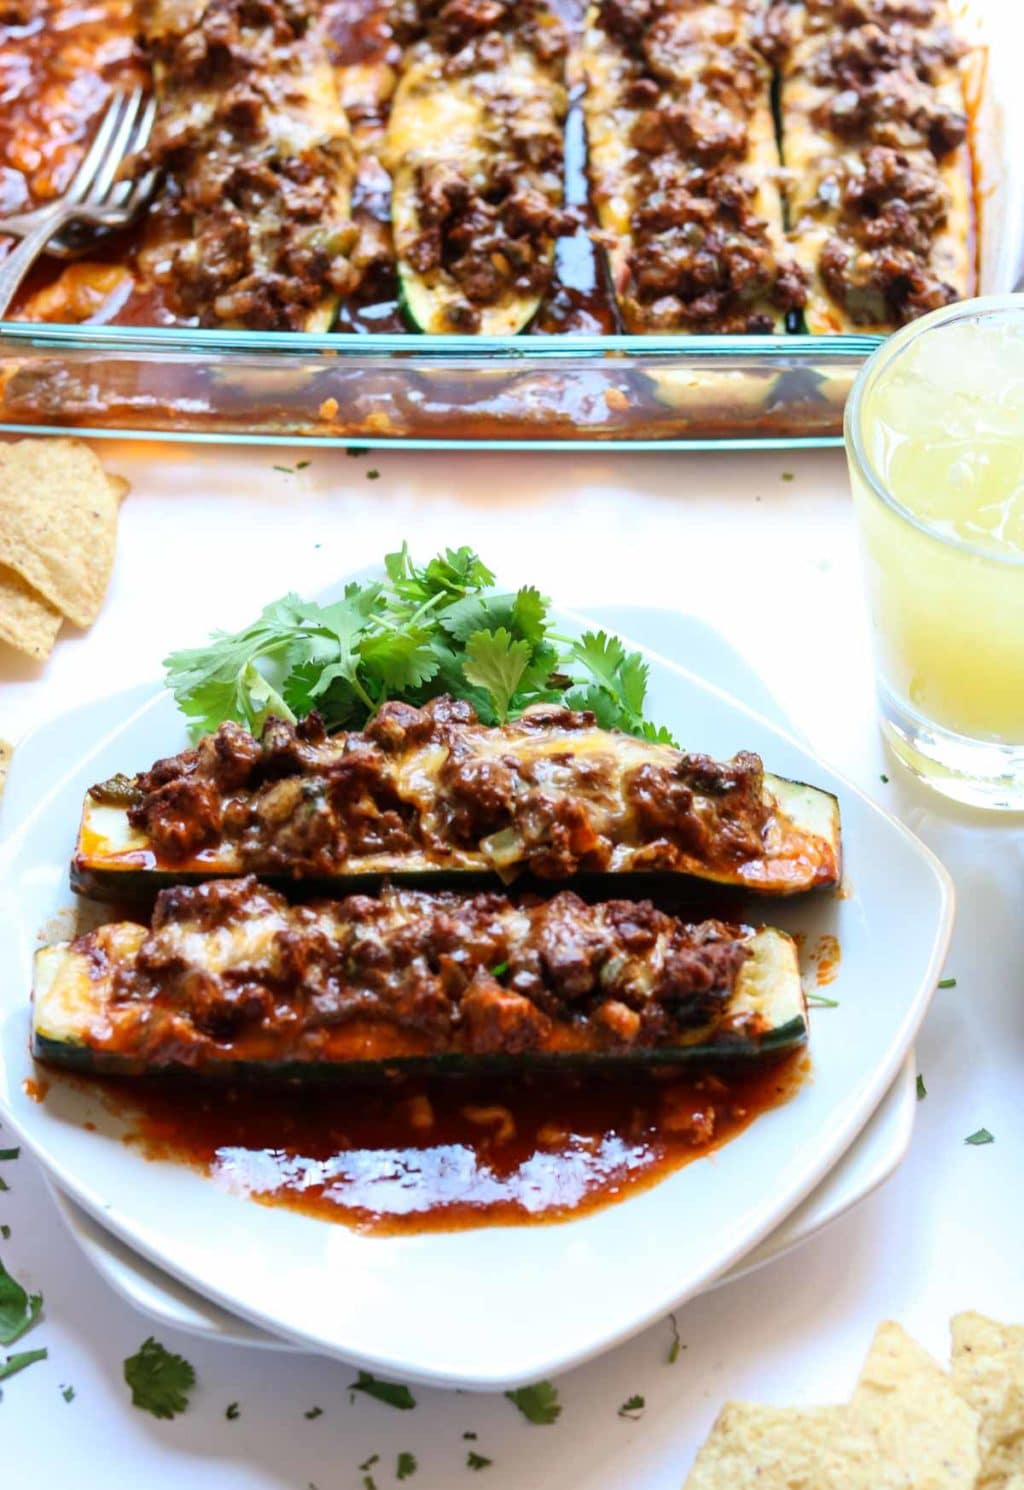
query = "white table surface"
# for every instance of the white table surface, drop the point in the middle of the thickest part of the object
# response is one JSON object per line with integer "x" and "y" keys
{"x": 206, "y": 538}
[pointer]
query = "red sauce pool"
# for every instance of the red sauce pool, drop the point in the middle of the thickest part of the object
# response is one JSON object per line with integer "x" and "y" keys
{"x": 450, "y": 1153}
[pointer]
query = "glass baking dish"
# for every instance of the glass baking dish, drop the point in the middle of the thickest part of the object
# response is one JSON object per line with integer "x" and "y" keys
{"x": 449, "y": 392}
{"x": 523, "y": 392}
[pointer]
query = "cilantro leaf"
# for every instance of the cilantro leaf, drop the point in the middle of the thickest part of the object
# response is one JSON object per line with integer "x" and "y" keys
{"x": 5, "y": 1232}
{"x": 18, "y": 1362}
{"x": 424, "y": 630}
{"x": 313, "y": 1412}
{"x": 981, "y": 1136}
{"x": 632, "y": 1407}
{"x": 18, "y": 1310}
{"x": 496, "y": 662}
{"x": 160, "y": 1381}
{"x": 232, "y": 1411}
{"x": 68, "y": 1393}
{"x": 384, "y": 1391}
{"x": 922, "y": 1090}
{"x": 9, "y": 1153}
{"x": 538, "y": 1403}
{"x": 947, "y": 983}
{"x": 369, "y": 1463}
{"x": 406, "y": 1465}
{"x": 477, "y": 1461}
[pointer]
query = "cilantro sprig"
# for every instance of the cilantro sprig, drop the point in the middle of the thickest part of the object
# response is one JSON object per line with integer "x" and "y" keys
{"x": 443, "y": 627}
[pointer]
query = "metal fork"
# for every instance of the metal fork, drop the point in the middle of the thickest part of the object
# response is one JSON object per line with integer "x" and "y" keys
{"x": 95, "y": 195}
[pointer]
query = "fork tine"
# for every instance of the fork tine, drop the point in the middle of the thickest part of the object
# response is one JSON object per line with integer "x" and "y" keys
{"x": 123, "y": 191}
{"x": 93, "y": 157}
{"x": 117, "y": 147}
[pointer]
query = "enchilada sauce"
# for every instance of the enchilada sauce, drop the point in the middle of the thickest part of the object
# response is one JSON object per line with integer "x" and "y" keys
{"x": 408, "y": 1156}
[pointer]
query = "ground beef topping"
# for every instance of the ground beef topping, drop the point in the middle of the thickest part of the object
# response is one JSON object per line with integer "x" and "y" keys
{"x": 703, "y": 257}
{"x": 885, "y": 75}
{"x": 488, "y": 223}
{"x": 247, "y": 228}
{"x": 434, "y": 784}
{"x": 232, "y": 959}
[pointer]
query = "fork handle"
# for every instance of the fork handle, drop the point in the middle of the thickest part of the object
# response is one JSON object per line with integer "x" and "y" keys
{"x": 18, "y": 262}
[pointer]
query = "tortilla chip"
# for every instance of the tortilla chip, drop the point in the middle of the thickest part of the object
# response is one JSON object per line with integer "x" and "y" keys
{"x": 788, "y": 1448}
{"x": 988, "y": 1372}
{"x": 922, "y": 1428}
{"x": 27, "y": 622}
{"x": 58, "y": 522}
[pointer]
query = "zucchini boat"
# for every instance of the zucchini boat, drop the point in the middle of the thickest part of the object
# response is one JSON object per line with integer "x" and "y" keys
{"x": 432, "y": 792}
{"x": 684, "y": 167}
{"x": 475, "y": 151}
{"x": 254, "y": 227}
{"x": 875, "y": 146}
{"x": 233, "y": 981}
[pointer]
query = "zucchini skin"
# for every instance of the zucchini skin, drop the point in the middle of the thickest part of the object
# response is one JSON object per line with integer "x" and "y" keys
{"x": 89, "y": 1062}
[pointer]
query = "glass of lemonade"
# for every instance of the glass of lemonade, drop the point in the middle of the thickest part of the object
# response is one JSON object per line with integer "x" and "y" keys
{"x": 935, "y": 442}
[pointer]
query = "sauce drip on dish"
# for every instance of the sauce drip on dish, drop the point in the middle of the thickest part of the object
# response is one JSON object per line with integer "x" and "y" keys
{"x": 449, "y": 1154}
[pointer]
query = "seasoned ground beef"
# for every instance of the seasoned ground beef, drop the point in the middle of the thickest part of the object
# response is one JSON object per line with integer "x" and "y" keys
{"x": 703, "y": 257}
{"x": 252, "y": 230}
{"x": 435, "y": 784}
{"x": 232, "y": 959}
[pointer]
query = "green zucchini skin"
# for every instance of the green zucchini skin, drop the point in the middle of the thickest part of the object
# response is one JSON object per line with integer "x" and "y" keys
{"x": 788, "y": 1037}
{"x": 71, "y": 997}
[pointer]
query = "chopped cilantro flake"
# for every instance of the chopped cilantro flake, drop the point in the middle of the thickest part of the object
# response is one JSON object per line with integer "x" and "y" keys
{"x": 314, "y": 1412}
{"x": 884, "y": 779}
{"x": 477, "y": 1461}
{"x": 632, "y": 1407}
{"x": 406, "y": 1465}
{"x": 160, "y": 1381}
{"x": 922, "y": 1090}
{"x": 373, "y": 474}
{"x": 5, "y": 1232}
{"x": 369, "y": 1463}
{"x": 981, "y": 1136}
{"x": 18, "y": 1362}
{"x": 68, "y": 1393}
{"x": 232, "y": 1411}
{"x": 947, "y": 982}
{"x": 538, "y": 1403}
{"x": 9, "y": 1153}
{"x": 787, "y": 475}
{"x": 19, "y": 1310}
{"x": 819, "y": 1001}
{"x": 469, "y": 1435}
{"x": 384, "y": 1391}
{"x": 677, "y": 1344}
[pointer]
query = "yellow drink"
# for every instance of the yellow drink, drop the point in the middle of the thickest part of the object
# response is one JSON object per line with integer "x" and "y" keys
{"x": 935, "y": 439}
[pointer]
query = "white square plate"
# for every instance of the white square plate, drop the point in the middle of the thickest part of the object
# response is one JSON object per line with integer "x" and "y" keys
{"x": 500, "y": 1306}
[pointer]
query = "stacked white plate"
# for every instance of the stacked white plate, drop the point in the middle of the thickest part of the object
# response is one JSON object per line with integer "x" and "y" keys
{"x": 500, "y": 1306}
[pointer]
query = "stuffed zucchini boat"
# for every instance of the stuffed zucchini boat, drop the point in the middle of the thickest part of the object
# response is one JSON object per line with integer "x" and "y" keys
{"x": 425, "y": 792}
{"x": 232, "y": 980}
{"x": 684, "y": 166}
{"x": 253, "y": 228}
{"x": 875, "y": 145}
{"x": 475, "y": 152}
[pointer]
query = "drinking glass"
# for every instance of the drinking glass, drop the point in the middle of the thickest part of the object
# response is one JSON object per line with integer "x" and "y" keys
{"x": 935, "y": 442}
